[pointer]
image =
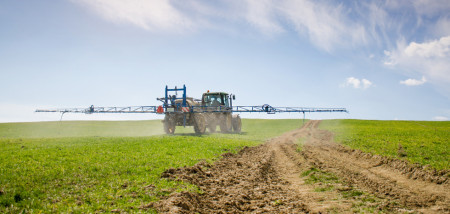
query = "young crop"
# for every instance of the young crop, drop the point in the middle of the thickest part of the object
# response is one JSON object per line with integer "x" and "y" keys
{"x": 87, "y": 167}
{"x": 423, "y": 142}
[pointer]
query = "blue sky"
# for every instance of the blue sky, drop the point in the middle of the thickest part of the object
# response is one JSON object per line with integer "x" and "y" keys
{"x": 382, "y": 60}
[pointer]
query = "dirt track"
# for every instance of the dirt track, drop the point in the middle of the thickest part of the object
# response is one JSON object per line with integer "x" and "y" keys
{"x": 276, "y": 178}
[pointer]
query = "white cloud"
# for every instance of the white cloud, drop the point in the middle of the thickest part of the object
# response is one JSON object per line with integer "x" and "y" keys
{"x": 357, "y": 83}
{"x": 413, "y": 82}
{"x": 440, "y": 118}
{"x": 351, "y": 81}
{"x": 436, "y": 48}
{"x": 430, "y": 59}
{"x": 366, "y": 83}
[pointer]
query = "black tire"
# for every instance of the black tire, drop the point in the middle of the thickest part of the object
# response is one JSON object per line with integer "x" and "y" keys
{"x": 199, "y": 123}
{"x": 226, "y": 123}
{"x": 237, "y": 123}
{"x": 169, "y": 124}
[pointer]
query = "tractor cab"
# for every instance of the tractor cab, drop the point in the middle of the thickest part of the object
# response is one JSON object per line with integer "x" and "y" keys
{"x": 213, "y": 99}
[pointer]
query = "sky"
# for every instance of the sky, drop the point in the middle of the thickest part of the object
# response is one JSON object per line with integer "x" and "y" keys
{"x": 382, "y": 60}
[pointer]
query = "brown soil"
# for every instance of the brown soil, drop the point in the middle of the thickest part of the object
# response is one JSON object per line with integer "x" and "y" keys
{"x": 271, "y": 178}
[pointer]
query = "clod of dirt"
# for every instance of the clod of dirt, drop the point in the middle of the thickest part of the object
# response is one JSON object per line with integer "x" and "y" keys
{"x": 228, "y": 154}
{"x": 151, "y": 186}
{"x": 401, "y": 151}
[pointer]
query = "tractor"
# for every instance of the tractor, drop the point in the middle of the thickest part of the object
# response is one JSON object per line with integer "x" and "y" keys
{"x": 217, "y": 107}
{"x": 214, "y": 109}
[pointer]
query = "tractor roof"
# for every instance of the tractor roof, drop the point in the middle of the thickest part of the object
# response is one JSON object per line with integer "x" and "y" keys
{"x": 215, "y": 93}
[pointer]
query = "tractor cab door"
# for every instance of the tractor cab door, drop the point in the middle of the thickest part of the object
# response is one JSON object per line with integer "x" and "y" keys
{"x": 226, "y": 101}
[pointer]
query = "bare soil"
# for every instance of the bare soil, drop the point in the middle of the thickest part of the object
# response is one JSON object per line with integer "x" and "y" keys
{"x": 276, "y": 177}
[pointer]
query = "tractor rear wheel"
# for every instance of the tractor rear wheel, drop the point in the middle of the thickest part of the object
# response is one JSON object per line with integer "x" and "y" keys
{"x": 237, "y": 124}
{"x": 199, "y": 123}
{"x": 225, "y": 123}
{"x": 169, "y": 124}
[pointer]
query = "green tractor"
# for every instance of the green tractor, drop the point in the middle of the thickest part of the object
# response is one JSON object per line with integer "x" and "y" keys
{"x": 217, "y": 108}
{"x": 214, "y": 109}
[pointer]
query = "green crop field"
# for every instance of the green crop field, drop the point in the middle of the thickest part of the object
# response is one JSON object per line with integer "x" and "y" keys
{"x": 81, "y": 129}
{"x": 87, "y": 167}
{"x": 423, "y": 142}
{"x": 93, "y": 166}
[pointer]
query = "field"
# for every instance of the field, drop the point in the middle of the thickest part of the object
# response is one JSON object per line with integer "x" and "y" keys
{"x": 423, "y": 142}
{"x": 317, "y": 176}
{"x": 131, "y": 166}
{"x": 98, "y": 166}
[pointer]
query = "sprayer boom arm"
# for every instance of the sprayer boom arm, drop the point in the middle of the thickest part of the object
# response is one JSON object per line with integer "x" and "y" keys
{"x": 92, "y": 109}
{"x": 194, "y": 109}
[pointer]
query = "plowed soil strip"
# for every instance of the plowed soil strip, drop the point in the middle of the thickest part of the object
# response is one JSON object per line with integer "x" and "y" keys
{"x": 268, "y": 179}
{"x": 371, "y": 174}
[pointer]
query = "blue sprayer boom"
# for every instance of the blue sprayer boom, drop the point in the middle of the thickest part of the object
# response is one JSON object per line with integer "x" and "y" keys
{"x": 212, "y": 110}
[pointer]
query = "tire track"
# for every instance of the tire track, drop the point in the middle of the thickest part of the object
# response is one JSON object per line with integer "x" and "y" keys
{"x": 378, "y": 178}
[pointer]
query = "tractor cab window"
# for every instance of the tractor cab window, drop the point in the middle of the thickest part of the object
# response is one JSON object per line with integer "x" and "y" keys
{"x": 213, "y": 100}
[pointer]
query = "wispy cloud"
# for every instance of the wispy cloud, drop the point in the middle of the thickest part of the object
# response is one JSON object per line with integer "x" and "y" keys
{"x": 331, "y": 26}
{"x": 442, "y": 26}
{"x": 326, "y": 24}
{"x": 413, "y": 82}
{"x": 430, "y": 8}
{"x": 261, "y": 13}
{"x": 150, "y": 15}
{"x": 357, "y": 83}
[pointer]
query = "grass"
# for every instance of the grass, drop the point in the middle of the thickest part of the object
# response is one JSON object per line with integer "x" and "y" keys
{"x": 86, "y": 167}
{"x": 300, "y": 143}
{"x": 315, "y": 175}
{"x": 422, "y": 142}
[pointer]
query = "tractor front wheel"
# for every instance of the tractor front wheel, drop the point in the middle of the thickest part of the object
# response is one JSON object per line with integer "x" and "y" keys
{"x": 199, "y": 123}
{"x": 225, "y": 123}
{"x": 212, "y": 127}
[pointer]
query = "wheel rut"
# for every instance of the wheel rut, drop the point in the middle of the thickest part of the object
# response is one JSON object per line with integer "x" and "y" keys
{"x": 276, "y": 177}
